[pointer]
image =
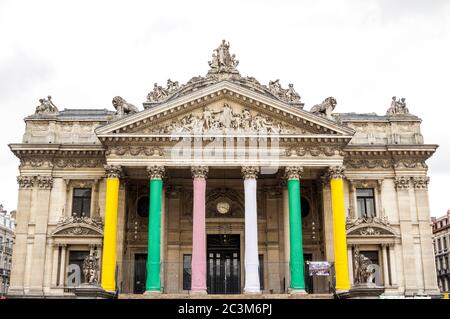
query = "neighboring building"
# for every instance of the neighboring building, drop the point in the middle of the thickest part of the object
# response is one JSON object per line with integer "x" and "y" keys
{"x": 238, "y": 221}
{"x": 7, "y": 227}
{"x": 441, "y": 242}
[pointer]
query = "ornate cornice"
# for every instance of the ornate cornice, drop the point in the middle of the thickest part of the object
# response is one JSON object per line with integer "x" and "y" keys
{"x": 293, "y": 172}
{"x": 113, "y": 171}
{"x": 156, "y": 172}
{"x": 199, "y": 171}
{"x": 249, "y": 172}
{"x": 402, "y": 182}
{"x": 336, "y": 172}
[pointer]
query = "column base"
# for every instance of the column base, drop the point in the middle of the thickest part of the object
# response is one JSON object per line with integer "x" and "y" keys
{"x": 152, "y": 292}
{"x": 293, "y": 291}
{"x": 201, "y": 292}
{"x": 252, "y": 292}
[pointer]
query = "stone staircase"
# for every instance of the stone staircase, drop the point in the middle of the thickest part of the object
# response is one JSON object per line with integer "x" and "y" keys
{"x": 239, "y": 296}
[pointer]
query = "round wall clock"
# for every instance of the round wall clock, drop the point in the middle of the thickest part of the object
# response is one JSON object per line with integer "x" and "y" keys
{"x": 223, "y": 207}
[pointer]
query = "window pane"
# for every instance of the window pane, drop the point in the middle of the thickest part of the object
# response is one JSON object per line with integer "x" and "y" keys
{"x": 76, "y": 207}
{"x": 187, "y": 271}
{"x": 87, "y": 207}
{"x": 370, "y": 207}
{"x": 366, "y": 192}
{"x": 361, "y": 208}
{"x": 82, "y": 192}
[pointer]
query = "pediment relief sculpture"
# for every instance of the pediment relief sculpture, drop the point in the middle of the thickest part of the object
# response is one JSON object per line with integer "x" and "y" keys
{"x": 79, "y": 226}
{"x": 369, "y": 227}
{"x": 224, "y": 120}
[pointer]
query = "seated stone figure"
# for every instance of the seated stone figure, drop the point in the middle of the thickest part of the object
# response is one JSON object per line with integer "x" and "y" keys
{"x": 123, "y": 107}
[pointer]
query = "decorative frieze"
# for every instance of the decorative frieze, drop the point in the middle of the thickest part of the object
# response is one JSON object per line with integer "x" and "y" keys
{"x": 79, "y": 162}
{"x": 336, "y": 172}
{"x": 113, "y": 171}
{"x": 293, "y": 172}
{"x": 421, "y": 182}
{"x": 402, "y": 182}
{"x": 122, "y": 150}
{"x": 315, "y": 151}
{"x": 69, "y": 220}
{"x": 156, "y": 172}
{"x": 369, "y": 163}
{"x": 199, "y": 171}
{"x": 249, "y": 172}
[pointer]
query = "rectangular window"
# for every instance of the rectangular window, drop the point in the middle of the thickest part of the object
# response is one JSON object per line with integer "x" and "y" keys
{"x": 365, "y": 200}
{"x": 81, "y": 203}
{"x": 439, "y": 244}
{"x": 444, "y": 239}
{"x": 187, "y": 271}
{"x": 261, "y": 271}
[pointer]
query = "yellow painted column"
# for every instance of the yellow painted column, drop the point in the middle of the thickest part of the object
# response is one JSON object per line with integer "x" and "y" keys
{"x": 336, "y": 175}
{"x": 108, "y": 277}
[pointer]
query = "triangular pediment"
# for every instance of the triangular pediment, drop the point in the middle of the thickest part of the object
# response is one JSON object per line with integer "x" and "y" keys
{"x": 224, "y": 106}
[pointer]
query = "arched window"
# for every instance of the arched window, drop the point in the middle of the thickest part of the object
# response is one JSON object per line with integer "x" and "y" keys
{"x": 143, "y": 206}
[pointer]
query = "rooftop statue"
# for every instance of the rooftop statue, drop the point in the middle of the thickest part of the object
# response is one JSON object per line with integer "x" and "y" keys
{"x": 46, "y": 106}
{"x": 223, "y": 61}
{"x": 287, "y": 95}
{"x": 325, "y": 108}
{"x": 398, "y": 107}
{"x": 123, "y": 107}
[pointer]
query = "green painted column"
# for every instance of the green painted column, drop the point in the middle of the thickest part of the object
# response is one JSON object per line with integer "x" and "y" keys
{"x": 153, "y": 282}
{"x": 295, "y": 229}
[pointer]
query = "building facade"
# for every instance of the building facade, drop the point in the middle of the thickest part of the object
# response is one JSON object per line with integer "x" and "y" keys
{"x": 223, "y": 186}
{"x": 7, "y": 227}
{"x": 441, "y": 240}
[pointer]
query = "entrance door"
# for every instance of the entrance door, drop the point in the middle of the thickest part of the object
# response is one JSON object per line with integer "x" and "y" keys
{"x": 309, "y": 287}
{"x": 140, "y": 273}
{"x": 224, "y": 267}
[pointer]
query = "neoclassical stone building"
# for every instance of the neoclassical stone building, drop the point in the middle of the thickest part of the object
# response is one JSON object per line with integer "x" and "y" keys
{"x": 222, "y": 185}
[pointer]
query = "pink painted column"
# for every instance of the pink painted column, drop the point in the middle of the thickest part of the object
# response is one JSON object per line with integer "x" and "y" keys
{"x": 198, "y": 278}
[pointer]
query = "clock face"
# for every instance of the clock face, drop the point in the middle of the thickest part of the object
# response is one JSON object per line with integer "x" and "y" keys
{"x": 223, "y": 207}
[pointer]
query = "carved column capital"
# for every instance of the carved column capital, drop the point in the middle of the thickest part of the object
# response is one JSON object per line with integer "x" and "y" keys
{"x": 25, "y": 182}
{"x": 421, "y": 182}
{"x": 44, "y": 182}
{"x": 249, "y": 172}
{"x": 293, "y": 172}
{"x": 113, "y": 171}
{"x": 336, "y": 172}
{"x": 156, "y": 171}
{"x": 402, "y": 182}
{"x": 199, "y": 171}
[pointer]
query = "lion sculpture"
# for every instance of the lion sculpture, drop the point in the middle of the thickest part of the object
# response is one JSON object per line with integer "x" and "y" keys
{"x": 325, "y": 108}
{"x": 123, "y": 107}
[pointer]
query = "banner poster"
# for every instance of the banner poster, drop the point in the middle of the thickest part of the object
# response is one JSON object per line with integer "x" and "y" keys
{"x": 319, "y": 268}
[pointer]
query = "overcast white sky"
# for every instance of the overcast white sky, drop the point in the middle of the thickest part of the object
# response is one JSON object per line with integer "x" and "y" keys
{"x": 84, "y": 53}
